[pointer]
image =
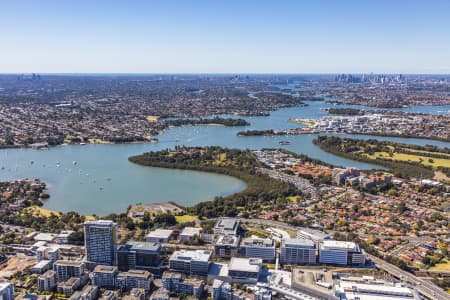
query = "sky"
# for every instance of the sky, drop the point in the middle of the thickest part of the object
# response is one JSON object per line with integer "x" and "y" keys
{"x": 224, "y": 36}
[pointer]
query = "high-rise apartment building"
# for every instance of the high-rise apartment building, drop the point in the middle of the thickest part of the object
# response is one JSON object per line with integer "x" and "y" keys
{"x": 100, "y": 238}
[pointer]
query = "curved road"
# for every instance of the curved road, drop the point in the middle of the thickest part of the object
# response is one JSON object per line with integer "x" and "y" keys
{"x": 424, "y": 287}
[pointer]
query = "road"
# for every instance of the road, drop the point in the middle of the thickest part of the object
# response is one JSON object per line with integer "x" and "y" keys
{"x": 424, "y": 287}
{"x": 300, "y": 183}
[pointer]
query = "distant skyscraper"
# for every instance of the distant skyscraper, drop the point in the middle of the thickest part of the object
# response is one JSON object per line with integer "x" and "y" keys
{"x": 100, "y": 242}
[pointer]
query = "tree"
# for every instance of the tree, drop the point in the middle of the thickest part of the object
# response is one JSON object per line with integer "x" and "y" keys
{"x": 76, "y": 237}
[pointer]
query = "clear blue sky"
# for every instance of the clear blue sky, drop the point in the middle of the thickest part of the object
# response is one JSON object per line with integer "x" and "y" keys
{"x": 104, "y": 36}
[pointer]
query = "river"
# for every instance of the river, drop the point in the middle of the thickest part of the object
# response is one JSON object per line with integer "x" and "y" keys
{"x": 99, "y": 179}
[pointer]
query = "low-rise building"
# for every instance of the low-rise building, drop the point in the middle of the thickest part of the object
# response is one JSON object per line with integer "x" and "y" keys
{"x": 159, "y": 236}
{"x": 258, "y": 248}
{"x": 139, "y": 255}
{"x": 244, "y": 270}
{"x": 226, "y": 246}
{"x": 63, "y": 237}
{"x": 135, "y": 294}
{"x": 226, "y": 226}
{"x": 47, "y": 281}
{"x": 104, "y": 276}
{"x": 191, "y": 261}
{"x": 47, "y": 253}
{"x": 160, "y": 294}
{"x": 109, "y": 295}
{"x": 298, "y": 251}
{"x": 176, "y": 282}
{"x": 311, "y": 234}
{"x": 41, "y": 266}
{"x": 89, "y": 292}
{"x": 224, "y": 291}
{"x": 134, "y": 279}
{"x": 189, "y": 233}
{"x": 68, "y": 287}
{"x": 66, "y": 269}
{"x": 351, "y": 290}
{"x": 341, "y": 253}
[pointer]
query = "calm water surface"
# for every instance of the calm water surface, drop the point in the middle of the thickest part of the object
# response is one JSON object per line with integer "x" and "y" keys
{"x": 99, "y": 179}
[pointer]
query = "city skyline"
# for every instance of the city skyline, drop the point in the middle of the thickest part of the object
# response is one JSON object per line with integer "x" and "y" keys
{"x": 224, "y": 37}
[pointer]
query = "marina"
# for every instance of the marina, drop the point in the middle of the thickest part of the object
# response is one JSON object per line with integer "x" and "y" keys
{"x": 78, "y": 174}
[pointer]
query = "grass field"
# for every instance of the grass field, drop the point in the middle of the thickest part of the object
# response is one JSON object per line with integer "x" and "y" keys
{"x": 152, "y": 118}
{"x": 258, "y": 232}
{"x": 37, "y": 210}
{"x": 444, "y": 265}
{"x": 436, "y": 162}
{"x": 186, "y": 218}
{"x": 428, "y": 152}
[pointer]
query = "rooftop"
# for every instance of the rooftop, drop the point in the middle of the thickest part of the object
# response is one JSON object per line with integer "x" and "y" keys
{"x": 105, "y": 269}
{"x": 69, "y": 282}
{"x": 315, "y": 235}
{"x": 191, "y": 231}
{"x": 303, "y": 243}
{"x": 47, "y": 237}
{"x": 74, "y": 263}
{"x": 100, "y": 223}
{"x": 245, "y": 264}
{"x": 227, "y": 240}
{"x": 160, "y": 233}
{"x": 160, "y": 293}
{"x": 48, "y": 273}
{"x": 227, "y": 224}
{"x": 89, "y": 288}
{"x": 339, "y": 245}
{"x": 135, "y": 273}
{"x": 170, "y": 274}
{"x": 366, "y": 291}
{"x": 42, "y": 264}
{"x": 201, "y": 255}
{"x": 140, "y": 246}
{"x": 258, "y": 242}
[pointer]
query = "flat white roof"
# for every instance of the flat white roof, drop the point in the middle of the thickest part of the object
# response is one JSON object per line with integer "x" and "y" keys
{"x": 191, "y": 231}
{"x": 227, "y": 223}
{"x": 39, "y": 244}
{"x": 258, "y": 242}
{"x": 47, "y": 237}
{"x": 160, "y": 233}
{"x": 245, "y": 264}
{"x": 42, "y": 264}
{"x": 227, "y": 240}
{"x": 4, "y": 285}
{"x": 300, "y": 243}
{"x": 339, "y": 245}
{"x": 198, "y": 255}
{"x": 100, "y": 223}
{"x": 366, "y": 291}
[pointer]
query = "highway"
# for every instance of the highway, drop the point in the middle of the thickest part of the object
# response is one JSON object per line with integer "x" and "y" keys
{"x": 425, "y": 287}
